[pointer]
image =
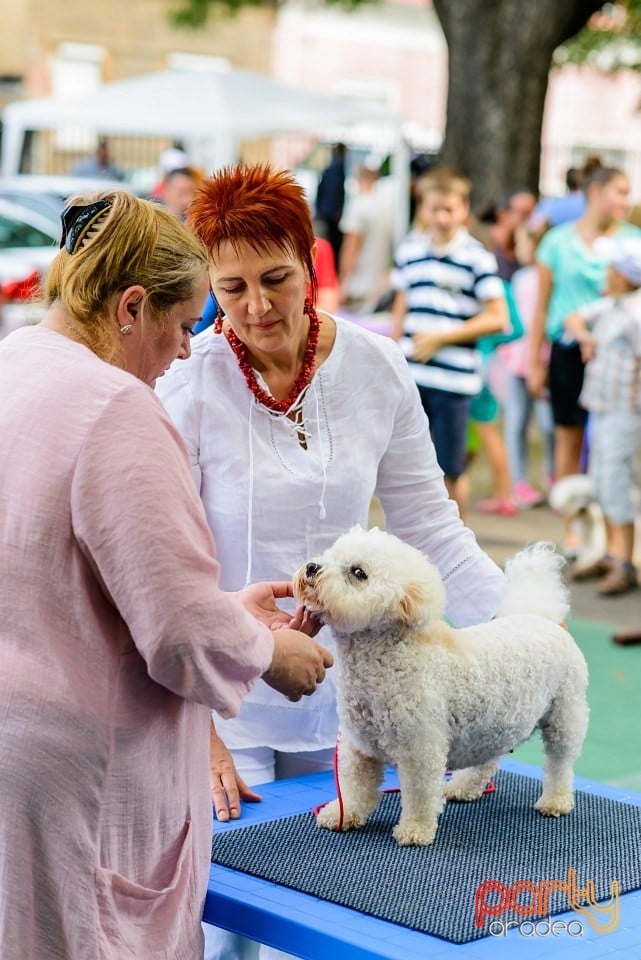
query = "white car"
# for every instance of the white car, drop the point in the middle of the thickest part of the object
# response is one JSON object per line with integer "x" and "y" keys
{"x": 20, "y": 293}
{"x": 28, "y": 244}
{"x": 47, "y": 194}
{"x": 28, "y": 234}
{"x": 30, "y": 208}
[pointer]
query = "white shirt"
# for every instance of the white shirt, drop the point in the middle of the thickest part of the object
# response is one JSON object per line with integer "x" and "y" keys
{"x": 371, "y": 217}
{"x": 273, "y": 505}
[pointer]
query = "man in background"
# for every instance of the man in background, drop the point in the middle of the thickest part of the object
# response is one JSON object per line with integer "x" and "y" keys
{"x": 368, "y": 242}
{"x": 178, "y": 191}
{"x": 330, "y": 198}
{"x": 98, "y": 165}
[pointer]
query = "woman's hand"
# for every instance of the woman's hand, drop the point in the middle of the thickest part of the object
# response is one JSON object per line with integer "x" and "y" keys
{"x": 227, "y": 788}
{"x": 298, "y": 664}
{"x": 306, "y": 622}
{"x": 259, "y": 599}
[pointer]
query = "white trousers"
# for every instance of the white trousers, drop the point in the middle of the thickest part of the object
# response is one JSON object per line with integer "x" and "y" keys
{"x": 261, "y": 765}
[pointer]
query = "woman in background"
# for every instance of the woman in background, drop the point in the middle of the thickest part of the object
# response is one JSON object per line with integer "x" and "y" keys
{"x": 571, "y": 274}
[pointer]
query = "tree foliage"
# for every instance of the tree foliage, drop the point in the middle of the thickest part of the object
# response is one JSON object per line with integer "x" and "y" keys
{"x": 499, "y": 57}
{"x": 610, "y": 41}
{"x": 195, "y": 13}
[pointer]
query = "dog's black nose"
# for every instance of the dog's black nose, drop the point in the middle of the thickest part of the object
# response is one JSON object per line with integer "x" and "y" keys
{"x": 311, "y": 570}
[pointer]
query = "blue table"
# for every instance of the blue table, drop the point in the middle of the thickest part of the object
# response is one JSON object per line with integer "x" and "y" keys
{"x": 316, "y": 930}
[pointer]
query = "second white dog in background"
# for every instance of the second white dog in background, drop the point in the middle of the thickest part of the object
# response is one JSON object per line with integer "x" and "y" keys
{"x": 425, "y": 697}
{"x": 574, "y": 498}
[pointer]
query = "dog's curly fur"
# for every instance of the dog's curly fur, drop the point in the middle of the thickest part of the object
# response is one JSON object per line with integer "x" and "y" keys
{"x": 424, "y": 697}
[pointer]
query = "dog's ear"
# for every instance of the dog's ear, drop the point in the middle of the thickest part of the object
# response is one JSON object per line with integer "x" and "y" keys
{"x": 413, "y": 605}
{"x": 422, "y": 601}
{"x": 407, "y": 608}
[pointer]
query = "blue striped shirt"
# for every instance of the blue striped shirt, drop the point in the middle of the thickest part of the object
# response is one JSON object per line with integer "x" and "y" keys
{"x": 443, "y": 289}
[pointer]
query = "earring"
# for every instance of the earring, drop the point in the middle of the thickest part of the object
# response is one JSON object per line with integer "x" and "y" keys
{"x": 126, "y": 330}
{"x": 218, "y": 325}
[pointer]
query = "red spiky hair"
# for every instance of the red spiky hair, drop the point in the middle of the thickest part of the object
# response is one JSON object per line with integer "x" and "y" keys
{"x": 253, "y": 204}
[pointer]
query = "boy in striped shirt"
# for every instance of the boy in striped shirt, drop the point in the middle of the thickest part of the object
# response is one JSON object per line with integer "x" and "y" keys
{"x": 448, "y": 295}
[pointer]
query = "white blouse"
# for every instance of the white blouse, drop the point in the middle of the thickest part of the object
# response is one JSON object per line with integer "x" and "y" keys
{"x": 273, "y": 504}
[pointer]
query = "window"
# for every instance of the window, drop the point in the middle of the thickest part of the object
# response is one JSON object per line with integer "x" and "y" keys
{"x": 16, "y": 233}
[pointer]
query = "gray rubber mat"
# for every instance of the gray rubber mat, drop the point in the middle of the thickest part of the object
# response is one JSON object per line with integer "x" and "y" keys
{"x": 444, "y": 889}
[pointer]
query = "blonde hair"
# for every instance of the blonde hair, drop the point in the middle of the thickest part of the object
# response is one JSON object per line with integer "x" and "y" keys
{"x": 444, "y": 180}
{"x": 131, "y": 242}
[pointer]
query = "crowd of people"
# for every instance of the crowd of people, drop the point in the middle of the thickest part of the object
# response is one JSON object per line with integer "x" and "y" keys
{"x": 481, "y": 307}
{"x": 159, "y": 491}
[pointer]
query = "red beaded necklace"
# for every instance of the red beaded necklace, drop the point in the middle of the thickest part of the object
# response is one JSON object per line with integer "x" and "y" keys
{"x": 303, "y": 378}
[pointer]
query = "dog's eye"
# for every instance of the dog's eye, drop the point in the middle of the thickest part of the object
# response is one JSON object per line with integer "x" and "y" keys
{"x": 358, "y": 573}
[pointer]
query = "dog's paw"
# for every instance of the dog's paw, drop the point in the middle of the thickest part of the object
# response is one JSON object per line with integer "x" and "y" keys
{"x": 469, "y": 783}
{"x": 555, "y": 805}
{"x": 329, "y": 817}
{"x": 412, "y": 833}
{"x": 462, "y": 791}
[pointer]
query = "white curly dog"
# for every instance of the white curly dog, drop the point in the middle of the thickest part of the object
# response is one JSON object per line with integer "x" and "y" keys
{"x": 425, "y": 697}
{"x": 574, "y": 497}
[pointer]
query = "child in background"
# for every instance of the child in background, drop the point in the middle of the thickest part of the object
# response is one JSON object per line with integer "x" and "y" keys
{"x": 485, "y": 413}
{"x": 448, "y": 295}
{"x": 515, "y": 358}
{"x": 608, "y": 332}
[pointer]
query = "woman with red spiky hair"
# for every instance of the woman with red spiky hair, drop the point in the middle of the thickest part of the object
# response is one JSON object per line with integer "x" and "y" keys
{"x": 295, "y": 420}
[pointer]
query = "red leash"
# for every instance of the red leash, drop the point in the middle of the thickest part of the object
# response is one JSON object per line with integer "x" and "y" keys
{"x": 490, "y": 788}
{"x": 337, "y": 783}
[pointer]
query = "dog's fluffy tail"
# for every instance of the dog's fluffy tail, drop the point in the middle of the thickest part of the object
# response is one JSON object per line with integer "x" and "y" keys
{"x": 534, "y": 583}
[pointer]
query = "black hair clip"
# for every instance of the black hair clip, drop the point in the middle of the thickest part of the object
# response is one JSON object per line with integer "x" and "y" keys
{"x": 76, "y": 221}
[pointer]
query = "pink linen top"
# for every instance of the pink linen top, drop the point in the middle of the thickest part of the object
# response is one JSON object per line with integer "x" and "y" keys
{"x": 115, "y": 643}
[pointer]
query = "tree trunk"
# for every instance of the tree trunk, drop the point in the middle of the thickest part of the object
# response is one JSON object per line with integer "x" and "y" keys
{"x": 500, "y": 53}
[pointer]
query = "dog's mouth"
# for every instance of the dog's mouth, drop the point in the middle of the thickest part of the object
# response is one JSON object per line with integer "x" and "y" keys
{"x": 308, "y": 602}
{"x": 317, "y": 614}
{"x": 306, "y": 596}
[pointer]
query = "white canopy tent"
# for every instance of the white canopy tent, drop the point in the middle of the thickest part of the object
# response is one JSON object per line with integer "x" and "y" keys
{"x": 212, "y": 112}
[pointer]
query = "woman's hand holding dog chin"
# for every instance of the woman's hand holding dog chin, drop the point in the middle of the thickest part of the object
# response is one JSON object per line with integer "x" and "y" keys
{"x": 298, "y": 664}
{"x": 305, "y": 621}
{"x": 259, "y": 599}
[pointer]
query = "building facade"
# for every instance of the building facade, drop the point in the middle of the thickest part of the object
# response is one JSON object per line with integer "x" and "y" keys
{"x": 392, "y": 53}
{"x": 49, "y": 47}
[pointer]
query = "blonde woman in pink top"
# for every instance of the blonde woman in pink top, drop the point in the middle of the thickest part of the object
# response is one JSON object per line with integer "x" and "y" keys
{"x": 115, "y": 638}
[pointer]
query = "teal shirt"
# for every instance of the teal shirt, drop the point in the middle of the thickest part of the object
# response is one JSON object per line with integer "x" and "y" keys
{"x": 578, "y": 275}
